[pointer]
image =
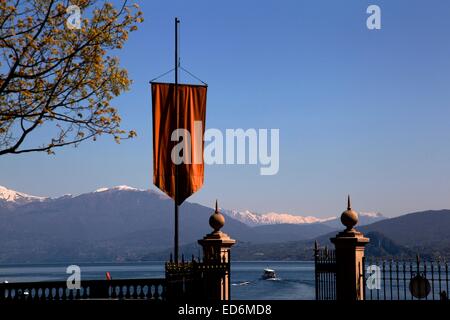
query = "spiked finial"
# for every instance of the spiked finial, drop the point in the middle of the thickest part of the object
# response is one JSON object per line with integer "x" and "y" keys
{"x": 349, "y": 217}
{"x": 217, "y": 220}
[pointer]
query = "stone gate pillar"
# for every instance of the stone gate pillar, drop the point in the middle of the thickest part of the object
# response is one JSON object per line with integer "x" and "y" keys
{"x": 349, "y": 247}
{"x": 216, "y": 259}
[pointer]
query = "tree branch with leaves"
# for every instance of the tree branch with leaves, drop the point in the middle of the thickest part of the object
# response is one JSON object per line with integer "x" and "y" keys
{"x": 56, "y": 82}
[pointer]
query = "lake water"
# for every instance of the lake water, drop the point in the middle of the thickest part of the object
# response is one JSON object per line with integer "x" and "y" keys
{"x": 296, "y": 278}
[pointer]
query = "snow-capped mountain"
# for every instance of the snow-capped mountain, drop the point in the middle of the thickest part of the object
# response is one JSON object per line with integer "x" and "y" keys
{"x": 15, "y": 198}
{"x": 371, "y": 214}
{"x": 254, "y": 219}
{"x": 126, "y": 188}
{"x": 118, "y": 188}
{"x": 11, "y": 196}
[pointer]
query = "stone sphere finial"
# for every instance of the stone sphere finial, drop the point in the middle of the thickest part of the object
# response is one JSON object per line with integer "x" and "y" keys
{"x": 217, "y": 220}
{"x": 349, "y": 217}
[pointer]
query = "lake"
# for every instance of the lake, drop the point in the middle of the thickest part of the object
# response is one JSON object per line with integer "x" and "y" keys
{"x": 296, "y": 278}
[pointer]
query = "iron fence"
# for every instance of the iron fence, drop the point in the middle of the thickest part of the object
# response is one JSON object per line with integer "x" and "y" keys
{"x": 325, "y": 273}
{"x": 406, "y": 280}
{"x": 385, "y": 279}
{"x": 195, "y": 280}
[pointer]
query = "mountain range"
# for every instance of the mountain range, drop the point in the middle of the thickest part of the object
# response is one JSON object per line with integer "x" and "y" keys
{"x": 125, "y": 223}
{"x": 255, "y": 219}
{"x": 13, "y": 198}
{"x": 120, "y": 223}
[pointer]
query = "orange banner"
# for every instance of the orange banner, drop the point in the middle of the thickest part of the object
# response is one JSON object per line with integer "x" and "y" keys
{"x": 178, "y": 181}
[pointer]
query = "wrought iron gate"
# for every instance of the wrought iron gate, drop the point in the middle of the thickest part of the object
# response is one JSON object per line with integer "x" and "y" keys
{"x": 406, "y": 280}
{"x": 386, "y": 280}
{"x": 325, "y": 273}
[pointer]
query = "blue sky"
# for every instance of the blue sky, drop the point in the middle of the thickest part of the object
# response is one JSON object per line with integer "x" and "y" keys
{"x": 360, "y": 112}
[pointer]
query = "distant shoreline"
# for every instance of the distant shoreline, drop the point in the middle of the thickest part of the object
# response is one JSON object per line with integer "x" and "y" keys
{"x": 23, "y": 264}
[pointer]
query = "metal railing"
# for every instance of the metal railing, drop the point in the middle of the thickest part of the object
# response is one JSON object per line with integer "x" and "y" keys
{"x": 150, "y": 289}
{"x": 190, "y": 280}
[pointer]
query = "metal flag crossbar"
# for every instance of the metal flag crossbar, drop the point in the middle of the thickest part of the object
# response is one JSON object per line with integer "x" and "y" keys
{"x": 183, "y": 69}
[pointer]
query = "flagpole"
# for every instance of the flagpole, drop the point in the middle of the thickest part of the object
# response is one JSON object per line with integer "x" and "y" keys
{"x": 177, "y": 21}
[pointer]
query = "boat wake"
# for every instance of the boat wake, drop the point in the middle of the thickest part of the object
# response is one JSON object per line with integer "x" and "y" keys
{"x": 243, "y": 283}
